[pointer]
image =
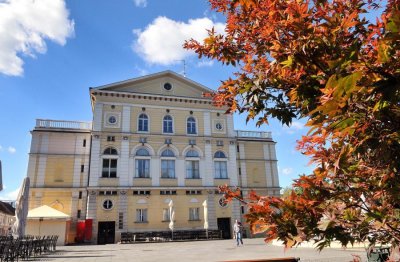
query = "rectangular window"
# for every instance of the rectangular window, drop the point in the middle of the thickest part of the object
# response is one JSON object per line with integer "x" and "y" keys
{"x": 110, "y": 138}
{"x": 84, "y": 143}
{"x": 78, "y": 215}
{"x": 242, "y": 209}
{"x": 165, "y": 214}
{"x": 121, "y": 220}
{"x": 191, "y": 127}
{"x": 108, "y": 193}
{"x": 168, "y": 168}
{"x": 220, "y": 143}
{"x": 192, "y": 169}
{"x": 141, "y": 215}
{"x": 109, "y": 168}
{"x": 141, "y": 192}
{"x": 80, "y": 194}
{"x": 220, "y": 170}
{"x": 193, "y": 192}
{"x": 82, "y": 168}
{"x": 240, "y": 171}
{"x": 194, "y": 213}
{"x": 142, "y": 168}
{"x": 168, "y": 192}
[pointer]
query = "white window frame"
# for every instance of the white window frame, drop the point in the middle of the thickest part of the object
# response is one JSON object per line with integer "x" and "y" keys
{"x": 161, "y": 167}
{"x": 141, "y": 215}
{"x": 194, "y": 214}
{"x": 191, "y": 160}
{"x": 166, "y": 215}
{"x": 195, "y": 126}
{"x": 220, "y": 161}
{"x": 109, "y": 157}
{"x": 173, "y": 124}
{"x": 148, "y": 123}
{"x": 137, "y": 159}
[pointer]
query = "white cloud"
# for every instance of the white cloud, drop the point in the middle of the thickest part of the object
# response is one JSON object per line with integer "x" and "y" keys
{"x": 287, "y": 171}
{"x": 140, "y": 3}
{"x": 1, "y": 148}
{"x": 11, "y": 150}
{"x": 295, "y": 126}
{"x": 161, "y": 41}
{"x": 205, "y": 63}
{"x": 10, "y": 195}
{"x": 24, "y": 27}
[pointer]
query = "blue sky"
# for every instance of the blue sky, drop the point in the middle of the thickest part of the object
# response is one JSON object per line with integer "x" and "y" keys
{"x": 52, "y": 51}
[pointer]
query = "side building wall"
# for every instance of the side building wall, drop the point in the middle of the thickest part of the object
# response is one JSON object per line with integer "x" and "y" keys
{"x": 58, "y": 170}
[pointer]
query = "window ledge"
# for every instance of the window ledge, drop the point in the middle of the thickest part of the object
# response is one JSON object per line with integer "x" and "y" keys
{"x": 141, "y": 177}
{"x": 221, "y": 178}
{"x": 194, "y": 220}
{"x": 141, "y": 222}
{"x": 193, "y": 178}
{"x": 168, "y": 177}
{"x": 106, "y": 177}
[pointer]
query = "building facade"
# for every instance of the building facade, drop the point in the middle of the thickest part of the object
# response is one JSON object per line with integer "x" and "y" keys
{"x": 153, "y": 139}
{"x": 7, "y": 218}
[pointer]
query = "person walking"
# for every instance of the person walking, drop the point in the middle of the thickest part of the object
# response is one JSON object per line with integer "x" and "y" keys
{"x": 237, "y": 231}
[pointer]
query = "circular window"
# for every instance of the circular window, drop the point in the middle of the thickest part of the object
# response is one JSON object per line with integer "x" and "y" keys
{"x": 112, "y": 120}
{"x": 167, "y": 86}
{"x": 219, "y": 126}
{"x": 222, "y": 202}
{"x": 107, "y": 204}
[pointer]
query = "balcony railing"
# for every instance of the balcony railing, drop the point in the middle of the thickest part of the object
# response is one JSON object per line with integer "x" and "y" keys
{"x": 46, "y": 123}
{"x": 253, "y": 134}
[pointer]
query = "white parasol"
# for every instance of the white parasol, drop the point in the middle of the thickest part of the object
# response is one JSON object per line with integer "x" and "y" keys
{"x": 205, "y": 206}
{"x": 171, "y": 217}
{"x": 21, "y": 209}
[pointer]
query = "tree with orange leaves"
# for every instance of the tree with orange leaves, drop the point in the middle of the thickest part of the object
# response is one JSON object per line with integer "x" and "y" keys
{"x": 323, "y": 61}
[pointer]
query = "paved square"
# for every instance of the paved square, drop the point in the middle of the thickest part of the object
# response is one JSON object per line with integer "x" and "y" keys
{"x": 218, "y": 250}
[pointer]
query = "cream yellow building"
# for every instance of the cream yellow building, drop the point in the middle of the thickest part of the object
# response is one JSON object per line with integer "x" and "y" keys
{"x": 153, "y": 139}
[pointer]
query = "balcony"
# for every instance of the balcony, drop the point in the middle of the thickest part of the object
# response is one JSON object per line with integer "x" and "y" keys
{"x": 253, "y": 134}
{"x": 62, "y": 124}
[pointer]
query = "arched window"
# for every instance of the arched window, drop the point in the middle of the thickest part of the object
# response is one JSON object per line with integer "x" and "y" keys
{"x": 191, "y": 126}
{"x": 219, "y": 154}
{"x": 142, "y": 152}
{"x": 192, "y": 165}
{"x": 167, "y": 153}
{"x": 168, "y": 124}
{"x": 168, "y": 164}
{"x": 110, "y": 160}
{"x": 110, "y": 151}
{"x": 192, "y": 153}
{"x": 142, "y": 163}
{"x": 220, "y": 165}
{"x": 143, "y": 124}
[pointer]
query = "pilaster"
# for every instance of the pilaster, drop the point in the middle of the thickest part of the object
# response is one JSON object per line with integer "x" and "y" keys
{"x": 97, "y": 116}
{"x": 126, "y": 119}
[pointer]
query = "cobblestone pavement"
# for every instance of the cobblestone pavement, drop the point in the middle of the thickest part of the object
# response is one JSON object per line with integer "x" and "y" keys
{"x": 218, "y": 250}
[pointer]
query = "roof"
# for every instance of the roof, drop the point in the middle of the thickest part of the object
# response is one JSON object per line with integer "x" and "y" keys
{"x": 7, "y": 209}
{"x": 153, "y": 76}
{"x": 46, "y": 212}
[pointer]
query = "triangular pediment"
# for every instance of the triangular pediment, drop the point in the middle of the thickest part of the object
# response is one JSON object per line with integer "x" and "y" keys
{"x": 165, "y": 83}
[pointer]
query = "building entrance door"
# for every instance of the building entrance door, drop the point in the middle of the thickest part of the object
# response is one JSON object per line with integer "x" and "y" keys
{"x": 224, "y": 224}
{"x": 106, "y": 233}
